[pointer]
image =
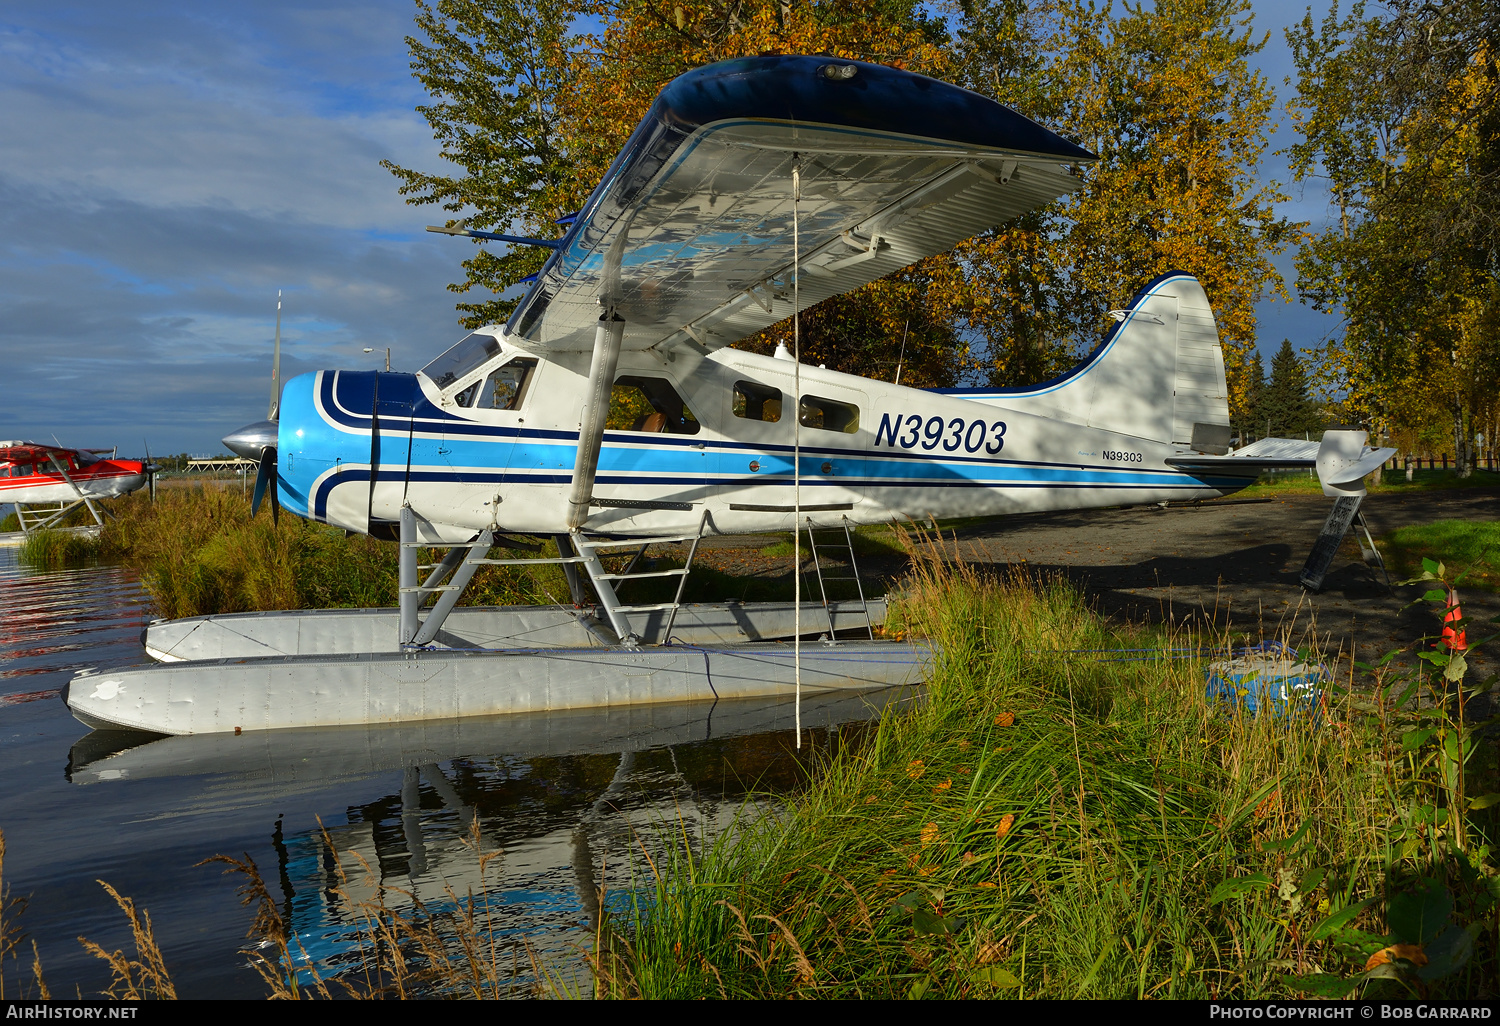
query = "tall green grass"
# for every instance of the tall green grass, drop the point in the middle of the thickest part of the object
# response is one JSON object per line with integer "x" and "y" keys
{"x": 1047, "y": 824}
{"x": 54, "y": 550}
{"x": 201, "y": 552}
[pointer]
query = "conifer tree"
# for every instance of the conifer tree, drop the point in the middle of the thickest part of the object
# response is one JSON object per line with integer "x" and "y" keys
{"x": 1251, "y": 421}
{"x": 1286, "y": 408}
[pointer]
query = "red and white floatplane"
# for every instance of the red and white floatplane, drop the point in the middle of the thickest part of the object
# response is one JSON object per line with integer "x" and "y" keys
{"x": 47, "y": 482}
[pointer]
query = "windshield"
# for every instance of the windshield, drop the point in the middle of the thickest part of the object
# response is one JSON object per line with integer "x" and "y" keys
{"x": 461, "y": 358}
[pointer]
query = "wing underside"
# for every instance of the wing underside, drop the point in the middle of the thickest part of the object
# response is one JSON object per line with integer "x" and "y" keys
{"x": 694, "y": 235}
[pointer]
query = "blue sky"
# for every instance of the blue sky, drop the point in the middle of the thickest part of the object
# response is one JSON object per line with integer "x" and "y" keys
{"x": 166, "y": 168}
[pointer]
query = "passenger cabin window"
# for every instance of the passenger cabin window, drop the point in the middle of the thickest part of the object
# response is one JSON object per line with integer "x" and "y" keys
{"x": 757, "y": 402}
{"x": 461, "y": 359}
{"x": 651, "y": 405}
{"x": 23, "y": 470}
{"x": 828, "y": 414}
{"x": 505, "y": 388}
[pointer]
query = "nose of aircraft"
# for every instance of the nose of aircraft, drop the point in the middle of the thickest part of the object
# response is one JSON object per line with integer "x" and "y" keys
{"x": 251, "y": 440}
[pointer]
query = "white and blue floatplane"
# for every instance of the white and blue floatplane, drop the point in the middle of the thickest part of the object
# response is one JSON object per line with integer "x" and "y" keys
{"x": 610, "y": 411}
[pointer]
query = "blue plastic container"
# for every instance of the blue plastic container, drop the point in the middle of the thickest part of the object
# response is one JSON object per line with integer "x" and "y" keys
{"x": 1268, "y": 678}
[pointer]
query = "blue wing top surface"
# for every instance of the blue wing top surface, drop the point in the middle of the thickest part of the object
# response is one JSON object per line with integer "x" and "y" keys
{"x": 690, "y": 237}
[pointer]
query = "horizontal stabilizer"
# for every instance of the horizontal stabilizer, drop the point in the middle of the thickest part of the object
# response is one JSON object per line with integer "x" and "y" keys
{"x": 1342, "y": 459}
{"x": 1262, "y": 454}
{"x": 1372, "y": 458}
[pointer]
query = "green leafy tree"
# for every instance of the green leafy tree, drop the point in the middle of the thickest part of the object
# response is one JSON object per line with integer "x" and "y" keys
{"x": 1400, "y": 113}
{"x": 498, "y": 72}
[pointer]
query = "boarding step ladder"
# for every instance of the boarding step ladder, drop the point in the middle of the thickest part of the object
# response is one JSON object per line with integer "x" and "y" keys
{"x": 1346, "y": 516}
{"x": 837, "y": 542}
{"x": 607, "y": 584}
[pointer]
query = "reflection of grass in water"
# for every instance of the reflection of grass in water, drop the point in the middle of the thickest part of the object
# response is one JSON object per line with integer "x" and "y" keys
{"x": 1047, "y": 826}
{"x": 1473, "y": 544}
{"x": 387, "y": 941}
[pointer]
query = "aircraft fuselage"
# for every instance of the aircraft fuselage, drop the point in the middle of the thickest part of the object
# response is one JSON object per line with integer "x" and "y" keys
{"x": 871, "y": 451}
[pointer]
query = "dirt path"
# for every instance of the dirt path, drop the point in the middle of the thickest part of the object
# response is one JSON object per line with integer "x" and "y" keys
{"x": 1237, "y": 565}
{"x": 1234, "y": 564}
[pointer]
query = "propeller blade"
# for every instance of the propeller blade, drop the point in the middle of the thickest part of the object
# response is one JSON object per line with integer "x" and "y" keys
{"x": 276, "y": 365}
{"x": 263, "y": 476}
{"x": 150, "y": 469}
{"x": 275, "y": 501}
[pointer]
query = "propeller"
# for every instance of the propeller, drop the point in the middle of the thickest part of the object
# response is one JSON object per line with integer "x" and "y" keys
{"x": 258, "y": 441}
{"x": 151, "y": 469}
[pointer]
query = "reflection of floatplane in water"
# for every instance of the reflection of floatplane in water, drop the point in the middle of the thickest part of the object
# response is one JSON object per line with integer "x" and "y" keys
{"x": 557, "y": 794}
{"x": 609, "y": 412}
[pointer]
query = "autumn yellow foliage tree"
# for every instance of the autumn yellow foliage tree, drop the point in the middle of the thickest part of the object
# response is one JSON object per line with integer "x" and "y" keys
{"x": 1167, "y": 97}
{"x": 644, "y": 44}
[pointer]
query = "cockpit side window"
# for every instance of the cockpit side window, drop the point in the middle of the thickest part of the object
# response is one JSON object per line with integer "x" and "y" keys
{"x": 757, "y": 402}
{"x": 461, "y": 359}
{"x": 649, "y": 404}
{"x": 505, "y": 388}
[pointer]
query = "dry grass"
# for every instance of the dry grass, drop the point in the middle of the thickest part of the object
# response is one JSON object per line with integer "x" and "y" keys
{"x": 140, "y": 978}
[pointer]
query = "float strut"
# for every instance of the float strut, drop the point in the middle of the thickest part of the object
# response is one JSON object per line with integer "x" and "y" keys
{"x": 453, "y": 589}
{"x": 406, "y": 564}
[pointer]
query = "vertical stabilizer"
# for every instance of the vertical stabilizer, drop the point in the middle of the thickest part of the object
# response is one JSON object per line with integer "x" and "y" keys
{"x": 1158, "y": 374}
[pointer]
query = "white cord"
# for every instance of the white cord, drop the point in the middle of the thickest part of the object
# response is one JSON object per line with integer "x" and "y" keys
{"x": 797, "y": 449}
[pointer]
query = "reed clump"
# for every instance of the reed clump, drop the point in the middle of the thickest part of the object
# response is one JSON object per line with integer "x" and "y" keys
{"x": 200, "y": 552}
{"x": 1059, "y": 821}
{"x": 58, "y": 550}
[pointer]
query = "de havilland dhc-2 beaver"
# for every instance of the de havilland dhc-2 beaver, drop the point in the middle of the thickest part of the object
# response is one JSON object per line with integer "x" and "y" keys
{"x": 609, "y": 410}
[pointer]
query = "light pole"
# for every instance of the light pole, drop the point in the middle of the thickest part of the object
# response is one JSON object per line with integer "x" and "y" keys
{"x": 387, "y": 356}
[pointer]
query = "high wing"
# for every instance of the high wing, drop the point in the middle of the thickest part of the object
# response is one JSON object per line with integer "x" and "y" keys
{"x": 30, "y": 452}
{"x": 690, "y": 234}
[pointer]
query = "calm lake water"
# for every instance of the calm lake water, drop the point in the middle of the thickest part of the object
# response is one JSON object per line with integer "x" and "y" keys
{"x": 560, "y": 797}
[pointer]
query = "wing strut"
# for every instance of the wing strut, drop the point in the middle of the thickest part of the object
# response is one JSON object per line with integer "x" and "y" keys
{"x": 63, "y": 470}
{"x": 607, "y": 337}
